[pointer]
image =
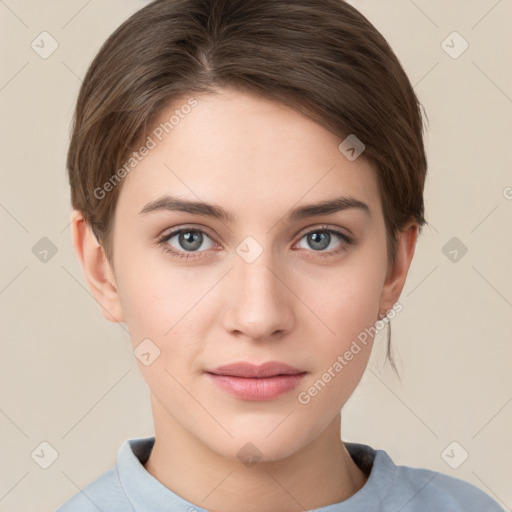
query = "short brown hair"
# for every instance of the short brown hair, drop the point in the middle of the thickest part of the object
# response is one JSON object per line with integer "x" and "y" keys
{"x": 320, "y": 57}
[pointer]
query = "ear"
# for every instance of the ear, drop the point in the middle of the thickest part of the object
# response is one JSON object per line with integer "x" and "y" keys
{"x": 96, "y": 268}
{"x": 395, "y": 278}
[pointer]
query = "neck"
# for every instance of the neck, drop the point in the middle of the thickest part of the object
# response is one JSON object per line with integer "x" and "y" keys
{"x": 318, "y": 475}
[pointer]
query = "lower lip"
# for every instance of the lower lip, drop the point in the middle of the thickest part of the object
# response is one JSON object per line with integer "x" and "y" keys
{"x": 267, "y": 388}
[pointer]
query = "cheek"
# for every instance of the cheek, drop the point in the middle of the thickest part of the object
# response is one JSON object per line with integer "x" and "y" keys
{"x": 348, "y": 304}
{"x": 347, "y": 299}
{"x": 168, "y": 306}
{"x": 164, "y": 307}
{"x": 340, "y": 359}
{"x": 157, "y": 296}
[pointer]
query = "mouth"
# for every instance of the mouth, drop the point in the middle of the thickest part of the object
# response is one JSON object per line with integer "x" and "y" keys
{"x": 246, "y": 381}
{"x": 249, "y": 370}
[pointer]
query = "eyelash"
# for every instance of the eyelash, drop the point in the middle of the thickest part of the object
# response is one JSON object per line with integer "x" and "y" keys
{"x": 323, "y": 229}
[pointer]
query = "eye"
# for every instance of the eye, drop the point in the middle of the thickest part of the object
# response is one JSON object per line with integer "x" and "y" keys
{"x": 320, "y": 239}
{"x": 186, "y": 241}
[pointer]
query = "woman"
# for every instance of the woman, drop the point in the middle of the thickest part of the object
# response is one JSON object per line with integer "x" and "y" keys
{"x": 247, "y": 183}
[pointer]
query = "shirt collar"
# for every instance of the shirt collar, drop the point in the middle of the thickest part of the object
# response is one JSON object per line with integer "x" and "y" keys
{"x": 145, "y": 492}
{"x": 142, "y": 489}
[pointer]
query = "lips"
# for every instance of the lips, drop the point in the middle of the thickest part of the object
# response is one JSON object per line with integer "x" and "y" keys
{"x": 248, "y": 370}
{"x": 246, "y": 381}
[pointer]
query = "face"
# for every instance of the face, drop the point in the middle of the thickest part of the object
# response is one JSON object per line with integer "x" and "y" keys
{"x": 259, "y": 284}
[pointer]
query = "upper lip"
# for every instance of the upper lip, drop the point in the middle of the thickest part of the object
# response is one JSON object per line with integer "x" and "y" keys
{"x": 248, "y": 370}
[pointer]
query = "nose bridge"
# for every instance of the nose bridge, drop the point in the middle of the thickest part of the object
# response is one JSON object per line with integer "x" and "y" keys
{"x": 261, "y": 303}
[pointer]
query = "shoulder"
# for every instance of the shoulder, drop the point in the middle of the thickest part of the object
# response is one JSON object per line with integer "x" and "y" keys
{"x": 104, "y": 493}
{"x": 417, "y": 489}
{"x": 118, "y": 487}
{"x": 391, "y": 487}
{"x": 428, "y": 488}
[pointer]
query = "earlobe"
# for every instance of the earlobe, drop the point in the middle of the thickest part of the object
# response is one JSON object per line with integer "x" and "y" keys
{"x": 96, "y": 267}
{"x": 397, "y": 273}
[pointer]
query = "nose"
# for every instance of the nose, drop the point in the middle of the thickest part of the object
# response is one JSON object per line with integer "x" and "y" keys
{"x": 260, "y": 304}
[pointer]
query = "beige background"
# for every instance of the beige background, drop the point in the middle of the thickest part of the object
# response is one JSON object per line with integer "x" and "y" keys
{"x": 68, "y": 376}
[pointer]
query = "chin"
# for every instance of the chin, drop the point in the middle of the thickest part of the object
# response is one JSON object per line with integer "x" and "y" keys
{"x": 263, "y": 444}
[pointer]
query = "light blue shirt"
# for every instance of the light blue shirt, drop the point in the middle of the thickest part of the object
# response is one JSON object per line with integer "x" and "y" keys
{"x": 128, "y": 487}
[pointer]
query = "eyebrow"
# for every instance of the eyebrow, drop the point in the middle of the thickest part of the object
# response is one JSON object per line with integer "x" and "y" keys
{"x": 329, "y": 206}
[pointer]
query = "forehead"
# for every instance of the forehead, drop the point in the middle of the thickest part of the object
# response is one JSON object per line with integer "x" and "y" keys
{"x": 247, "y": 151}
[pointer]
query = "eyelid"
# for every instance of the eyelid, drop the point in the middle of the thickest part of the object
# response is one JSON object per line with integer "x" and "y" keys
{"x": 324, "y": 227}
{"x": 170, "y": 232}
{"x": 346, "y": 242}
{"x": 304, "y": 231}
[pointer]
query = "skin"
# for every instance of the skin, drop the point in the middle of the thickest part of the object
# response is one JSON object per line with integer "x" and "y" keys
{"x": 293, "y": 304}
